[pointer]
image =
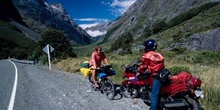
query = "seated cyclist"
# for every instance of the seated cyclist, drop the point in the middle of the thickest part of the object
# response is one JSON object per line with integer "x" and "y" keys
{"x": 95, "y": 62}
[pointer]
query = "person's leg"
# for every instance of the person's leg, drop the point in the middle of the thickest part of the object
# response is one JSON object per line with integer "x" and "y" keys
{"x": 94, "y": 78}
{"x": 155, "y": 94}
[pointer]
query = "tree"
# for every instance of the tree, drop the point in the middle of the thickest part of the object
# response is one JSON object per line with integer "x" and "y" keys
{"x": 62, "y": 47}
{"x": 124, "y": 42}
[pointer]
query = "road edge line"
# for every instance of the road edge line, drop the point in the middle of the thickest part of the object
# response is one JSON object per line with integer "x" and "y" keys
{"x": 11, "y": 104}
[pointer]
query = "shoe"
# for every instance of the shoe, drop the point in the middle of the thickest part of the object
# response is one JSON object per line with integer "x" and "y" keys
{"x": 96, "y": 87}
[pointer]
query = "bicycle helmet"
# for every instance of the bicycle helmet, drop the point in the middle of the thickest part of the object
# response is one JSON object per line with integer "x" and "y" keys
{"x": 150, "y": 45}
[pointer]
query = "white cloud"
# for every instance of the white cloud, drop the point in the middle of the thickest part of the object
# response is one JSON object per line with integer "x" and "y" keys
{"x": 120, "y": 6}
{"x": 92, "y": 19}
{"x": 95, "y": 33}
{"x": 84, "y": 26}
{"x": 90, "y": 32}
{"x": 122, "y": 3}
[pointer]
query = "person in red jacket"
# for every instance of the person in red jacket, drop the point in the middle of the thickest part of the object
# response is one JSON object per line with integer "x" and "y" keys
{"x": 95, "y": 62}
{"x": 152, "y": 62}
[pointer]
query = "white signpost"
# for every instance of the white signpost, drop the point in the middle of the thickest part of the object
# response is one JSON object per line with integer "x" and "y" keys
{"x": 48, "y": 49}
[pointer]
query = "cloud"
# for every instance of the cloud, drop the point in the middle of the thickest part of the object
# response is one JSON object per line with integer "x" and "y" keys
{"x": 122, "y": 3}
{"x": 90, "y": 32}
{"x": 95, "y": 33}
{"x": 84, "y": 26}
{"x": 118, "y": 7}
{"x": 92, "y": 19}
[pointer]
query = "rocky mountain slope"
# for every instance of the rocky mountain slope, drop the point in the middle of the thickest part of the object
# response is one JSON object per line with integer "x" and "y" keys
{"x": 40, "y": 16}
{"x": 146, "y": 13}
{"x": 151, "y": 18}
{"x": 8, "y": 12}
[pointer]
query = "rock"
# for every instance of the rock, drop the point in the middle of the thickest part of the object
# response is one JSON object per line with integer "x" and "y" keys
{"x": 209, "y": 40}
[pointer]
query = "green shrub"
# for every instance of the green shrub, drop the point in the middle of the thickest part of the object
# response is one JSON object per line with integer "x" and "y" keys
{"x": 62, "y": 47}
{"x": 44, "y": 59}
{"x": 177, "y": 69}
{"x": 147, "y": 32}
{"x": 179, "y": 50}
{"x": 159, "y": 27}
{"x": 190, "y": 14}
{"x": 206, "y": 57}
{"x": 187, "y": 34}
{"x": 124, "y": 42}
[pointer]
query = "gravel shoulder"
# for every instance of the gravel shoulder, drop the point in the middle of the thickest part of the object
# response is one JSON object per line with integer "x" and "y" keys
{"x": 44, "y": 89}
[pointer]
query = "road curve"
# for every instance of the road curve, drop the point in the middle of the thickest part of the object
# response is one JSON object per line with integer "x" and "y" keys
{"x": 39, "y": 88}
{"x": 7, "y": 79}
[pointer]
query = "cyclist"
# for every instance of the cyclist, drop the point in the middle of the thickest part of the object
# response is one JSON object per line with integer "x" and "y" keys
{"x": 95, "y": 62}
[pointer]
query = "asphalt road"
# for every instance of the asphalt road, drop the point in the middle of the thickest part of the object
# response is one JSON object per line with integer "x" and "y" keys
{"x": 7, "y": 77}
{"x": 39, "y": 88}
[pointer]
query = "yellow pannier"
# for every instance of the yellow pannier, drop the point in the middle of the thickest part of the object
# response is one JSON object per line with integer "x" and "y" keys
{"x": 85, "y": 71}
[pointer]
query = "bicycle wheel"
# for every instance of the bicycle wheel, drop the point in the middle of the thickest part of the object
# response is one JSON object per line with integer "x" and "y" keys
{"x": 90, "y": 78}
{"x": 128, "y": 91}
{"x": 108, "y": 88}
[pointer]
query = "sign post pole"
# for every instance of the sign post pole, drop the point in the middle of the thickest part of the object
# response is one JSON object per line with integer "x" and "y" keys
{"x": 47, "y": 49}
{"x": 48, "y": 53}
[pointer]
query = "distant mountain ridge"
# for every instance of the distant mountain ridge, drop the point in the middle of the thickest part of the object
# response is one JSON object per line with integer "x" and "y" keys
{"x": 40, "y": 16}
{"x": 148, "y": 18}
{"x": 145, "y": 13}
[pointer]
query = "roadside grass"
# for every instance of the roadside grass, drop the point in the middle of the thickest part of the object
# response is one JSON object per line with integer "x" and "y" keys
{"x": 211, "y": 87}
{"x": 209, "y": 74}
{"x": 203, "y": 64}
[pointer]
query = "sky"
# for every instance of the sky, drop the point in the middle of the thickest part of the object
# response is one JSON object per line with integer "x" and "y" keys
{"x": 87, "y": 13}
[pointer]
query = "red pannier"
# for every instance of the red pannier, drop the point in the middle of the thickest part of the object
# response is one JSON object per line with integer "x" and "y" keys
{"x": 182, "y": 82}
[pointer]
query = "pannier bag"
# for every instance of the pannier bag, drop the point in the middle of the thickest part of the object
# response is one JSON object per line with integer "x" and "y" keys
{"x": 108, "y": 70}
{"x": 85, "y": 71}
{"x": 85, "y": 64}
{"x": 163, "y": 76}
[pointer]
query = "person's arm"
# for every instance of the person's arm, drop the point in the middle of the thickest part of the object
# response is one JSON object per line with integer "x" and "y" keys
{"x": 144, "y": 64}
{"x": 105, "y": 59}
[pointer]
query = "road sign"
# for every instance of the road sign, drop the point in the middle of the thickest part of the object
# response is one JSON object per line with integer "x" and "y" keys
{"x": 48, "y": 49}
{"x": 45, "y": 49}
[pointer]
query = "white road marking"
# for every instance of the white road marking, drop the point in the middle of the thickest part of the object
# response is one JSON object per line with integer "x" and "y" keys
{"x": 11, "y": 104}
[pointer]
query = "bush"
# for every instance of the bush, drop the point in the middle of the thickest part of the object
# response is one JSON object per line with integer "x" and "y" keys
{"x": 123, "y": 42}
{"x": 159, "y": 27}
{"x": 179, "y": 50}
{"x": 191, "y": 13}
{"x": 44, "y": 59}
{"x": 206, "y": 57}
{"x": 177, "y": 69}
{"x": 187, "y": 34}
{"x": 62, "y": 47}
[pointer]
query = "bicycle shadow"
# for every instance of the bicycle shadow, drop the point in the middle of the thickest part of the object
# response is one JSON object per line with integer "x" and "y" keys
{"x": 118, "y": 94}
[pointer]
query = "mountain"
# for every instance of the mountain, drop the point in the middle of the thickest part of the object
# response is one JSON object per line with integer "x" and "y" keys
{"x": 167, "y": 21}
{"x": 102, "y": 27}
{"x": 40, "y": 16}
{"x": 146, "y": 13}
{"x": 8, "y": 12}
